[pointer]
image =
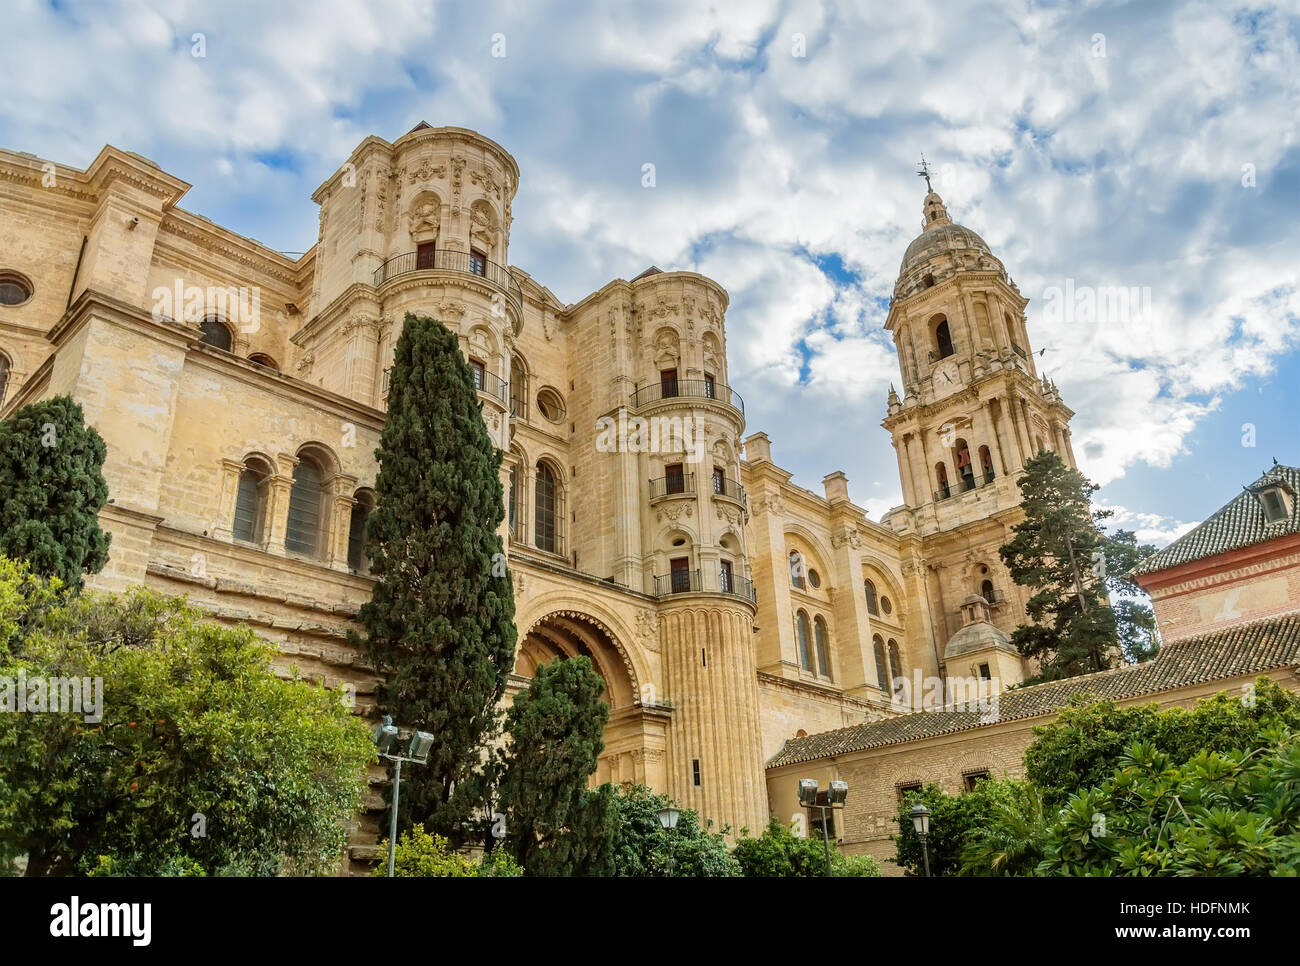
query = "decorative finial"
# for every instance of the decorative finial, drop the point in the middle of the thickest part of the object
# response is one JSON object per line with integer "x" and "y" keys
{"x": 923, "y": 171}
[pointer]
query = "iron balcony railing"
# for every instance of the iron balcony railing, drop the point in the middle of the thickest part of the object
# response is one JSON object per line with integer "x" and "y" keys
{"x": 444, "y": 260}
{"x": 730, "y": 489}
{"x": 965, "y": 484}
{"x": 494, "y": 386}
{"x": 737, "y": 586}
{"x": 683, "y": 483}
{"x": 687, "y": 389}
{"x": 678, "y": 582}
{"x": 688, "y": 582}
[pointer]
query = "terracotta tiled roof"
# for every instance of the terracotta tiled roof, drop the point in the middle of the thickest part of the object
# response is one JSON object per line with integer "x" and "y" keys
{"x": 1248, "y": 649}
{"x": 1239, "y": 524}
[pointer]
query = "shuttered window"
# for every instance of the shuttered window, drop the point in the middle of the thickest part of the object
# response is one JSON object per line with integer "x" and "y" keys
{"x": 302, "y": 534}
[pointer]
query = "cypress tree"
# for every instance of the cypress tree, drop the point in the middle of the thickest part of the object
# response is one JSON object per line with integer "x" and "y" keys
{"x": 440, "y": 622}
{"x": 52, "y": 489}
{"x": 554, "y": 824}
{"x": 1059, "y": 551}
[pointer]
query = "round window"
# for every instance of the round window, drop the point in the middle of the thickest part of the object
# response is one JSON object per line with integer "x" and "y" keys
{"x": 814, "y": 578}
{"x": 885, "y": 605}
{"x": 15, "y": 289}
{"x": 550, "y": 405}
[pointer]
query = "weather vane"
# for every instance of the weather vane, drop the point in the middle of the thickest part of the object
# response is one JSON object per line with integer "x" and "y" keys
{"x": 923, "y": 171}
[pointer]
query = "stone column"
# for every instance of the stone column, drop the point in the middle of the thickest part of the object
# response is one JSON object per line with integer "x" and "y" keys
{"x": 340, "y": 490}
{"x": 713, "y": 686}
{"x": 277, "y": 507}
{"x": 222, "y": 526}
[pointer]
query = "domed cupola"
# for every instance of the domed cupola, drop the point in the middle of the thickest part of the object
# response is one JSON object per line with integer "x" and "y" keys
{"x": 942, "y": 249}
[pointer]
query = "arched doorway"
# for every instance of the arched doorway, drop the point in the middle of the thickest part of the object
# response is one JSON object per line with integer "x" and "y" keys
{"x": 635, "y": 737}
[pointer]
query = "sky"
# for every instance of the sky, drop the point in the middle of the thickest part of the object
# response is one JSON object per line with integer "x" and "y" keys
{"x": 1095, "y": 146}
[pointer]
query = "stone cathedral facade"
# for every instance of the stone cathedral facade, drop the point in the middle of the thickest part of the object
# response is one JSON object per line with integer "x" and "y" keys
{"x": 241, "y": 393}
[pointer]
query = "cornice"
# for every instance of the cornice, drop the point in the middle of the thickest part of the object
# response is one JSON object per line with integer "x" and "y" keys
{"x": 221, "y": 241}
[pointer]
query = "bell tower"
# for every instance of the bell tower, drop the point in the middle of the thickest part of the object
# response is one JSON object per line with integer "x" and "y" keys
{"x": 973, "y": 409}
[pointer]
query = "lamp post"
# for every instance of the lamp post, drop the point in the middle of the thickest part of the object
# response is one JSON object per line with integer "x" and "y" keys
{"x": 921, "y": 822}
{"x": 417, "y": 752}
{"x": 668, "y": 817}
{"x": 833, "y": 797}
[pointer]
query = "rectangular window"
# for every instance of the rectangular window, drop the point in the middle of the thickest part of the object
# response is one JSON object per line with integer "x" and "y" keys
{"x": 815, "y": 823}
{"x": 985, "y": 674}
{"x": 719, "y": 480}
{"x": 905, "y": 790}
{"x": 728, "y": 584}
{"x": 681, "y": 574}
{"x": 477, "y": 263}
{"x": 668, "y": 383}
{"x": 674, "y": 478}
{"x": 708, "y": 387}
{"x": 424, "y": 255}
{"x": 695, "y": 769}
{"x": 479, "y": 371}
{"x": 973, "y": 779}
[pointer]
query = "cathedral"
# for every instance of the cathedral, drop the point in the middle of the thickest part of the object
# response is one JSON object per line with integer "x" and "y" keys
{"x": 241, "y": 394}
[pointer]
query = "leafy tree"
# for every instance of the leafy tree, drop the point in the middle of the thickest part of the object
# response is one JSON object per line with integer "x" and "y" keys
{"x": 440, "y": 622}
{"x": 954, "y": 821}
{"x": 1230, "y": 813}
{"x": 779, "y": 853}
{"x": 554, "y": 824}
{"x": 642, "y": 847}
{"x": 204, "y": 760}
{"x": 1135, "y": 621}
{"x": 1082, "y": 746}
{"x": 52, "y": 489}
{"x": 420, "y": 854}
{"x": 1056, "y": 551}
{"x": 1011, "y": 839}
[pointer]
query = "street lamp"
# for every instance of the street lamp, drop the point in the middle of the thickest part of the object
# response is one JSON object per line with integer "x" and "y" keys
{"x": 833, "y": 797}
{"x": 921, "y": 822}
{"x": 668, "y": 817}
{"x": 417, "y": 752}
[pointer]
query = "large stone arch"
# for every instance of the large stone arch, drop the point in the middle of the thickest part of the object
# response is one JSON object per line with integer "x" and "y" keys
{"x": 636, "y": 736}
{"x": 568, "y": 633}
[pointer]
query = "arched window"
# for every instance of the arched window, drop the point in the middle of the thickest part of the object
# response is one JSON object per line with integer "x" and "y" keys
{"x": 986, "y": 464}
{"x": 214, "y": 332}
{"x": 262, "y": 359}
{"x": 797, "y": 572}
{"x": 895, "y": 664}
{"x": 873, "y": 607}
{"x": 518, "y": 388}
{"x": 987, "y": 592}
{"x": 357, "y": 560}
{"x": 941, "y": 479}
{"x": 943, "y": 339}
{"x": 882, "y": 676}
{"x": 546, "y": 514}
{"x": 802, "y": 632}
{"x": 4, "y": 376}
{"x": 306, "y": 508}
{"x": 517, "y": 502}
{"x": 249, "y": 523}
{"x": 823, "y": 647}
{"x": 965, "y": 468}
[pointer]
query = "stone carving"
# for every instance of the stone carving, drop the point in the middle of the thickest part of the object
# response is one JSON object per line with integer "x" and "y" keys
{"x": 483, "y": 225}
{"x": 519, "y": 583}
{"x": 848, "y": 536}
{"x": 674, "y": 511}
{"x": 425, "y": 218}
{"x": 647, "y": 624}
{"x": 426, "y": 170}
